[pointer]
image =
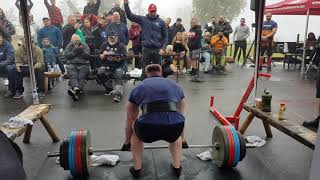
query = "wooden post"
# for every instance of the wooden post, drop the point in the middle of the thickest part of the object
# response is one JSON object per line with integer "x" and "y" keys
{"x": 49, "y": 129}
{"x": 246, "y": 123}
{"x": 267, "y": 129}
{"x": 46, "y": 84}
{"x": 27, "y": 134}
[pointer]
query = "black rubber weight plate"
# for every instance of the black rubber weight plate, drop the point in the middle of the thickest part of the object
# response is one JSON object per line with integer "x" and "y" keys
{"x": 220, "y": 154}
{"x": 61, "y": 155}
{"x": 243, "y": 148}
{"x": 66, "y": 153}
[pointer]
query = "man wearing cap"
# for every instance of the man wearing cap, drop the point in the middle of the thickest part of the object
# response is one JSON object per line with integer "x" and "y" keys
{"x": 112, "y": 55}
{"x": 119, "y": 28}
{"x": 154, "y": 33}
{"x": 177, "y": 27}
{"x": 162, "y": 103}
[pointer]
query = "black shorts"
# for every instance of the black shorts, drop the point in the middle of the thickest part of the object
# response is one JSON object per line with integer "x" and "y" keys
{"x": 149, "y": 133}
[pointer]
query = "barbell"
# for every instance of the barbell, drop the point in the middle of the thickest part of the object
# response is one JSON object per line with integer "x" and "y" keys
{"x": 228, "y": 148}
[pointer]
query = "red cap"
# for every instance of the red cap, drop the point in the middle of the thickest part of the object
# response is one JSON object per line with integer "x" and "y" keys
{"x": 152, "y": 7}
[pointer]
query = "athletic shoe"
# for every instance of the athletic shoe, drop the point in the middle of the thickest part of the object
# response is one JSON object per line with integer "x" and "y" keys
{"x": 116, "y": 98}
{"x": 185, "y": 145}
{"x": 77, "y": 91}
{"x": 6, "y": 82}
{"x": 135, "y": 173}
{"x": 73, "y": 95}
{"x": 269, "y": 68}
{"x": 9, "y": 94}
{"x": 176, "y": 171}
{"x": 18, "y": 95}
{"x": 312, "y": 124}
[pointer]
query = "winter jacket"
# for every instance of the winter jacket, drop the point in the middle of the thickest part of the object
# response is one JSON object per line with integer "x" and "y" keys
{"x": 92, "y": 9}
{"x": 6, "y": 29}
{"x": 100, "y": 36}
{"x": 121, "y": 30}
{"x": 170, "y": 34}
{"x": 50, "y": 54}
{"x": 135, "y": 35}
{"x": 118, "y": 49}
{"x": 194, "y": 38}
{"x": 21, "y": 57}
{"x": 67, "y": 32}
{"x": 179, "y": 47}
{"x": 123, "y": 17}
{"x": 53, "y": 33}
{"x": 205, "y": 43}
{"x": 77, "y": 56}
{"x": 88, "y": 36}
{"x": 154, "y": 31}
{"x": 6, "y": 53}
{"x": 176, "y": 29}
{"x": 218, "y": 43}
{"x": 226, "y": 27}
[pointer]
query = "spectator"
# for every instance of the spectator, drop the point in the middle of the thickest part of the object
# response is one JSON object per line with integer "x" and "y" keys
{"x": 55, "y": 38}
{"x": 50, "y": 54}
{"x": 20, "y": 30}
{"x": 77, "y": 54}
{"x": 29, "y": 6}
{"x": 112, "y": 68}
{"x": 154, "y": 33}
{"x": 22, "y": 70}
{"x": 177, "y": 27}
{"x": 180, "y": 47}
{"x": 225, "y": 26}
{"x": 121, "y": 12}
{"x": 241, "y": 33}
{"x": 92, "y": 7}
{"x": 54, "y": 13}
{"x": 120, "y": 29}
{"x": 7, "y": 64}
{"x": 101, "y": 32}
{"x": 219, "y": 42}
{"x": 6, "y": 27}
{"x": 35, "y": 27}
{"x": 168, "y": 64}
{"x": 92, "y": 18}
{"x": 206, "y": 51}
{"x": 78, "y": 16}
{"x": 310, "y": 42}
{"x": 211, "y": 26}
{"x": 87, "y": 29}
{"x": 136, "y": 38}
{"x": 69, "y": 29}
{"x": 169, "y": 29}
{"x": 194, "y": 45}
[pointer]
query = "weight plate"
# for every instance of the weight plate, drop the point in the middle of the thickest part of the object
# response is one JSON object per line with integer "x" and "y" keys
{"x": 77, "y": 152}
{"x": 231, "y": 147}
{"x": 220, "y": 153}
{"x": 83, "y": 152}
{"x": 236, "y": 147}
{"x": 86, "y": 145}
{"x": 61, "y": 154}
{"x": 243, "y": 148}
{"x": 66, "y": 153}
{"x": 71, "y": 154}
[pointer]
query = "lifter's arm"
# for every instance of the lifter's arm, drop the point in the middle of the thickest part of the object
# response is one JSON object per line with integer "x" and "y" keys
{"x": 132, "y": 115}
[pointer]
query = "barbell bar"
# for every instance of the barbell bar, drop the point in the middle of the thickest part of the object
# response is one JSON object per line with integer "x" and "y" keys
{"x": 228, "y": 148}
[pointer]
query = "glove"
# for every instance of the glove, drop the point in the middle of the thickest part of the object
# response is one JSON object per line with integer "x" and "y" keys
{"x": 126, "y": 147}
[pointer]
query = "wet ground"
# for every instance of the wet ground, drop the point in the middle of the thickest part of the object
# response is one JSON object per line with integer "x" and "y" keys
{"x": 280, "y": 158}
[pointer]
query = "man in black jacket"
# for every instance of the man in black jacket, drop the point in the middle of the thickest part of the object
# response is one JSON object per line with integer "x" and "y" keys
{"x": 117, "y": 8}
{"x": 77, "y": 55}
{"x": 101, "y": 32}
{"x": 69, "y": 29}
{"x": 194, "y": 44}
{"x": 112, "y": 55}
{"x": 92, "y": 7}
{"x": 177, "y": 27}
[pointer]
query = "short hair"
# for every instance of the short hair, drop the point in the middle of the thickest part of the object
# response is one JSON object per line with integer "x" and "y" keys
{"x": 45, "y": 18}
{"x": 243, "y": 19}
{"x": 153, "y": 68}
{"x": 45, "y": 38}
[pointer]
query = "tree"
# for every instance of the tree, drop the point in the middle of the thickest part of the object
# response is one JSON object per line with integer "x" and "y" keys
{"x": 205, "y": 9}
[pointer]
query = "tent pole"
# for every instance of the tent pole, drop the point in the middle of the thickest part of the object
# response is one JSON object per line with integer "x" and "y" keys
{"x": 259, "y": 22}
{"x": 304, "y": 44}
{"x": 28, "y": 43}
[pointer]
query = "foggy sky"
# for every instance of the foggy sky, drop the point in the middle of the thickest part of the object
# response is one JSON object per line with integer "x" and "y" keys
{"x": 289, "y": 26}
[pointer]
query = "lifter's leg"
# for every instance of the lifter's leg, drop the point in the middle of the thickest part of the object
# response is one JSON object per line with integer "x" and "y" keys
{"x": 176, "y": 152}
{"x": 137, "y": 150}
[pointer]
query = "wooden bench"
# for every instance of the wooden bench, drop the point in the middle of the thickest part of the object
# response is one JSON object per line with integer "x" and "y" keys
{"x": 296, "y": 131}
{"x": 33, "y": 112}
{"x": 47, "y": 76}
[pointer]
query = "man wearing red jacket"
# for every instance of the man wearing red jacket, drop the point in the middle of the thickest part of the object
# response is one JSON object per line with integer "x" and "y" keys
{"x": 135, "y": 37}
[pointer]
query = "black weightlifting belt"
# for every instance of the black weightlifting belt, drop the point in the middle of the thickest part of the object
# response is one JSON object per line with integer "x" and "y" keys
{"x": 159, "y": 106}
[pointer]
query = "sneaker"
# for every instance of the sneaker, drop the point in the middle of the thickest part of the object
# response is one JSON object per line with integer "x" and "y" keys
{"x": 77, "y": 91}
{"x": 185, "y": 145}
{"x": 269, "y": 68}
{"x": 135, "y": 173}
{"x": 108, "y": 91}
{"x": 73, "y": 95}
{"x": 9, "y": 94}
{"x": 116, "y": 98}
{"x": 41, "y": 94}
{"x": 6, "y": 82}
{"x": 18, "y": 95}
{"x": 176, "y": 171}
{"x": 312, "y": 124}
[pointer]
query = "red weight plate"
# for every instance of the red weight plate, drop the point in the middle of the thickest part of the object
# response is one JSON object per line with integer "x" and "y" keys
{"x": 77, "y": 152}
{"x": 231, "y": 147}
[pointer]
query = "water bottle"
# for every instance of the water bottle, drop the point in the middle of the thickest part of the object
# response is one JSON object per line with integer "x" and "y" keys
{"x": 49, "y": 67}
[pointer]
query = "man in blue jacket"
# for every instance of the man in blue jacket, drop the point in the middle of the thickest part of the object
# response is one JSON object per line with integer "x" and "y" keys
{"x": 54, "y": 35}
{"x": 7, "y": 64}
{"x": 119, "y": 28}
{"x": 154, "y": 34}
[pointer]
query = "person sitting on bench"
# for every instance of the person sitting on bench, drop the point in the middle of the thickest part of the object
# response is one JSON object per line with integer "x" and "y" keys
{"x": 112, "y": 55}
{"x": 77, "y": 55}
{"x": 162, "y": 103}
